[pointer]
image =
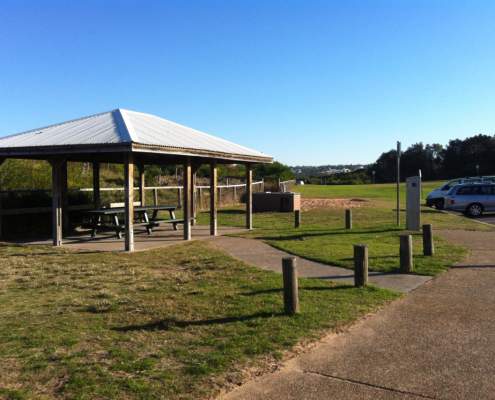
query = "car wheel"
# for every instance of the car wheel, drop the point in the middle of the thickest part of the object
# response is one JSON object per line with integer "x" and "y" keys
{"x": 439, "y": 204}
{"x": 474, "y": 210}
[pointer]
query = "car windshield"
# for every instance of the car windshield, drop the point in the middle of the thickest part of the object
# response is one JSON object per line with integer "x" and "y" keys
{"x": 452, "y": 190}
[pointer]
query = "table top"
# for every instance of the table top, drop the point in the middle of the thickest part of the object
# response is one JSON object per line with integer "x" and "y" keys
{"x": 121, "y": 210}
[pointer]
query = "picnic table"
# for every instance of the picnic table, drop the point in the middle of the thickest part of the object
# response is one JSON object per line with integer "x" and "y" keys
{"x": 141, "y": 212}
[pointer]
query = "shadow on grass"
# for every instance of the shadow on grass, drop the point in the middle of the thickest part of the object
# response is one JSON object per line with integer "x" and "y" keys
{"x": 431, "y": 212}
{"x": 301, "y": 289}
{"x": 231, "y": 212}
{"x": 303, "y": 235}
{"x": 166, "y": 324}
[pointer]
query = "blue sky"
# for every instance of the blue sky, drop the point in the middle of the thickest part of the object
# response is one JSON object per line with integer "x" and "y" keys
{"x": 308, "y": 82}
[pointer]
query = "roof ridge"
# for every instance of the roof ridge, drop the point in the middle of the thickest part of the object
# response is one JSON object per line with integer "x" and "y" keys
{"x": 124, "y": 126}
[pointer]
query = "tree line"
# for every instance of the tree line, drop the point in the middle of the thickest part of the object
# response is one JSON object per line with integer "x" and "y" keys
{"x": 472, "y": 156}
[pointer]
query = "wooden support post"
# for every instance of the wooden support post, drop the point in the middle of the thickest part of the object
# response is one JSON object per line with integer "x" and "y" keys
{"x": 96, "y": 185}
{"x": 155, "y": 196}
{"x": 297, "y": 218}
{"x": 187, "y": 200}
{"x": 348, "y": 219}
{"x": 428, "y": 245}
{"x": 406, "y": 254}
{"x": 249, "y": 196}
{"x": 65, "y": 198}
{"x": 291, "y": 287}
{"x": 193, "y": 196}
{"x": 57, "y": 201}
{"x": 142, "y": 190}
{"x": 129, "y": 202}
{"x": 1, "y": 216}
{"x": 213, "y": 198}
{"x": 360, "y": 265}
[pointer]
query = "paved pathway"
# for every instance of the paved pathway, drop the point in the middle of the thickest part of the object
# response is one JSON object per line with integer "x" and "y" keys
{"x": 257, "y": 253}
{"x": 436, "y": 343}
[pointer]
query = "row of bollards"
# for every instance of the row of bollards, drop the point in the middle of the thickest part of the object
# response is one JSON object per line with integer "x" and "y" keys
{"x": 289, "y": 268}
{"x": 405, "y": 255}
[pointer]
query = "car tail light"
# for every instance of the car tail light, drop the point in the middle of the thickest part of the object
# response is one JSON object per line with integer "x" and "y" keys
{"x": 452, "y": 201}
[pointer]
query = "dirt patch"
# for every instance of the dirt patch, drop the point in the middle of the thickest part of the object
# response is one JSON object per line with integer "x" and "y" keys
{"x": 311, "y": 204}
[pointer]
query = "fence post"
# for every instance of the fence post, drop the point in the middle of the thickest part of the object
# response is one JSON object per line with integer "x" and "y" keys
{"x": 348, "y": 219}
{"x": 155, "y": 196}
{"x": 291, "y": 289}
{"x": 406, "y": 254}
{"x": 297, "y": 218}
{"x": 428, "y": 246}
{"x": 360, "y": 265}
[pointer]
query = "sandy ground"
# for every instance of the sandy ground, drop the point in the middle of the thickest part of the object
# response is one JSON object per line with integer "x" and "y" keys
{"x": 310, "y": 204}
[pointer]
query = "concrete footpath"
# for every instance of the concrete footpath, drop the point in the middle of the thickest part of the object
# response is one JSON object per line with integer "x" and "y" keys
{"x": 436, "y": 343}
{"x": 255, "y": 252}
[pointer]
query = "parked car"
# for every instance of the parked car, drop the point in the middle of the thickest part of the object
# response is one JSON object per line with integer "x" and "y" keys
{"x": 436, "y": 197}
{"x": 473, "y": 199}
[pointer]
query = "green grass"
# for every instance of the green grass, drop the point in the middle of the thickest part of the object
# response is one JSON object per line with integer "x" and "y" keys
{"x": 384, "y": 191}
{"x": 322, "y": 236}
{"x": 174, "y": 323}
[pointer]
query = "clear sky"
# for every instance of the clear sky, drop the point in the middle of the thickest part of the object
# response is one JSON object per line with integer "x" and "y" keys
{"x": 308, "y": 82}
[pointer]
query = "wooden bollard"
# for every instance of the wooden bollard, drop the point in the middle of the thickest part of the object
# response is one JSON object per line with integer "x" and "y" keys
{"x": 360, "y": 265}
{"x": 348, "y": 219}
{"x": 291, "y": 289}
{"x": 428, "y": 246}
{"x": 297, "y": 218}
{"x": 406, "y": 254}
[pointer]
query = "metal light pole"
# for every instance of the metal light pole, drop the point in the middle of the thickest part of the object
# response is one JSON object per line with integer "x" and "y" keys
{"x": 373, "y": 174}
{"x": 398, "y": 183}
{"x": 477, "y": 169}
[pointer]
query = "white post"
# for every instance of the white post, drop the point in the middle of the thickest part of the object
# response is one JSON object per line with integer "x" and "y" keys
{"x": 249, "y": 197}
{"x": 57, "y": 201}
{"x": 129, "y": 202}
{"x": 186, "y": 206}
{"x": 213, "y": 198}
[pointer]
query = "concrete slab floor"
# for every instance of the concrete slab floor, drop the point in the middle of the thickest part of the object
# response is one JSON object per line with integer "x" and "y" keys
{"x": 160, "y": 237}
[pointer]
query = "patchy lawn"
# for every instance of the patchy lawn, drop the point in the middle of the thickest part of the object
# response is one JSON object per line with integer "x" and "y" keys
{"x": 174, "y": 323}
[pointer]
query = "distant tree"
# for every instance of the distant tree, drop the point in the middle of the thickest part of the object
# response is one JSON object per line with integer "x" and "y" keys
{"x": 276, "y": 170}
{"x": 460, "y": 157}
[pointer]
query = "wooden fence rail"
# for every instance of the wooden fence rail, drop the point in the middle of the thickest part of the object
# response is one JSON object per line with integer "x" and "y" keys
{"x": 257, "y": 186}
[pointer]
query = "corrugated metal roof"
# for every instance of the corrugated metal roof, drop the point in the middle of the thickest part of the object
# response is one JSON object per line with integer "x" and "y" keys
{"x": 122, "y": 126}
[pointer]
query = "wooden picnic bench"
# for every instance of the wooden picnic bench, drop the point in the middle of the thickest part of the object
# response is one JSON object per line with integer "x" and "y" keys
{"x": 142, "y": 214}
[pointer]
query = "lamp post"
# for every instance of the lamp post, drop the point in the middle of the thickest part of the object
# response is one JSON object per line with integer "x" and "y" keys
{"x": 373, "y": 176}
{"x": 477, "y": 169}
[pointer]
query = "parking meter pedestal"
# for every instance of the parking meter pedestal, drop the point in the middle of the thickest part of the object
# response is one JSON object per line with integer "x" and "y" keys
{"x": 413, "y": 203}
